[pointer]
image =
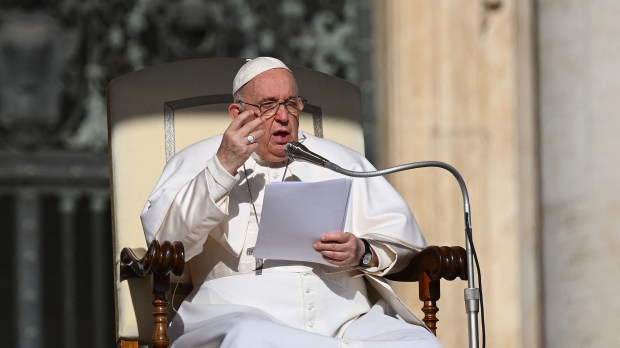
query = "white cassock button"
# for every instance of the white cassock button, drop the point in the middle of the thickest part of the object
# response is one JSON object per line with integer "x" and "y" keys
{"x": 310, "y": 307}
{"x": 308, "y": 291}
{"x": 345, "y": 341}
{"x": 311, "y": 324}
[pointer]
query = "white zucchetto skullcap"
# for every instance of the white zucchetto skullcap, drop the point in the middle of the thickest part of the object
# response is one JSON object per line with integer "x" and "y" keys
{"x": 253, "y": 67}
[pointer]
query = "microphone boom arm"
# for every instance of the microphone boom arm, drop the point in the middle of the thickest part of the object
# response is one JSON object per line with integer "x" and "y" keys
{"x": 414, "y": 165}
{"x": 472, "y": 294}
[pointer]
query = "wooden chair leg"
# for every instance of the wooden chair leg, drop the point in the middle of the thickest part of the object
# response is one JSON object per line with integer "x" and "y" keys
{"x": 161, "y": 285}
{"x": 127, "y": 344}
{"x": 429, "y": 294}
{"x": 160, "y": 260}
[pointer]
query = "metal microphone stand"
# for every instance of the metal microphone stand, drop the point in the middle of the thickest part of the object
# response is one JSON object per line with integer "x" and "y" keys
{"x": 472, "y": 294}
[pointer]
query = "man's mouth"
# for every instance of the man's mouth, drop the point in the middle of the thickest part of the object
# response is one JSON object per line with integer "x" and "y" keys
{"x": 281, "y": 137}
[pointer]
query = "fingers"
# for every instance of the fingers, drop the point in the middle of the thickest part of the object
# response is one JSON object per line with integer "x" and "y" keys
{"x": 336, "y": 237}
{"x": 338, "y": 248}
{"x": 336, "y": 258}
{"x": 240, "y": 140}
{"x": 245, "y": 122}
{"x": 243, "y": 129}
{"x": 254, "y": 136}
{"x": 336, "y": 241}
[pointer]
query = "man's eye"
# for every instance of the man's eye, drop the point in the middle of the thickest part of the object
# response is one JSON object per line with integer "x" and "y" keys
{"x": 268, "y": 105}
{"x": 291, "y": 104}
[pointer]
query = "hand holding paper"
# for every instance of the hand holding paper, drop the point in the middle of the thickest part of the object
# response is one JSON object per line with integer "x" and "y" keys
{"x": 296, "y": 214}
{"x": 340, "y": 249}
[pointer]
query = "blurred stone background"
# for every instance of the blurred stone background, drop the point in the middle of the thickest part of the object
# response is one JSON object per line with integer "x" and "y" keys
{"x": 520, "y": 96}
{"x": 56, "y": 60}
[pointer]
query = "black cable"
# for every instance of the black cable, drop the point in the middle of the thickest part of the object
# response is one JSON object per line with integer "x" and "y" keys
{"x": 475, "y": 254}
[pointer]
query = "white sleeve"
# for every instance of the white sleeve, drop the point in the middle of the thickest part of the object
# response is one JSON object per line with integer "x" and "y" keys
{"x": 385, "y": 255}
{"x": 194, "y": 212}
{"x": 219, "y": 182}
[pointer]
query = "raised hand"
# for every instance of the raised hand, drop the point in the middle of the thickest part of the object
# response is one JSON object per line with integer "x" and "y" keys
{"x": 240, "y": 140}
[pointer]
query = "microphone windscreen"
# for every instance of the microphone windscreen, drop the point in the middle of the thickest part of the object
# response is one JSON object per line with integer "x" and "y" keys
{"x": 297, "y": 151}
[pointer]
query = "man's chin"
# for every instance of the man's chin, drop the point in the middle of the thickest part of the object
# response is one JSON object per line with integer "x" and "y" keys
{"x": 276, "y": 154}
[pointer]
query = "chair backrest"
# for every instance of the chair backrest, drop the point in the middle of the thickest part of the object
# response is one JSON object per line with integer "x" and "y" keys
{"x": 154, "y": 112}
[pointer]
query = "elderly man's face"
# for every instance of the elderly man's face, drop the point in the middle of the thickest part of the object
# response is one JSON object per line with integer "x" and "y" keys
{"x": 278, "y": 85}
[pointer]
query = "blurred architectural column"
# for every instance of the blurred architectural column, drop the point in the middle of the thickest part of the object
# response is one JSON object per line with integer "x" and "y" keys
{"x": 29, "y": 289}
{"x": 579, "y": 103}
{"x": 455, "y": 83}
{"x": 67, "y": 206}
{"x": 99, "y": 200}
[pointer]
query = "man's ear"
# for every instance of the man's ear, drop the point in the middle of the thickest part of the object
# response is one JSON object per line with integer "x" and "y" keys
{"x": 234, "y": 110}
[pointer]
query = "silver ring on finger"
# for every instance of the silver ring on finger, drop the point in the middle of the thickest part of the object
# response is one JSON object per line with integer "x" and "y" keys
{"x": 250, "y": 138}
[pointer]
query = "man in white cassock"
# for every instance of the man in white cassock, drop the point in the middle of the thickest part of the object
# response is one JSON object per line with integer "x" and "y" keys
{"x": 210, "y": 197}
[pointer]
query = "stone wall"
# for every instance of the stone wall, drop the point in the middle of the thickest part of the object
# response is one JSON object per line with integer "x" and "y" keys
{"x": 580, "y": 122}
{"x": 522, "y": 98}
{"x": 455, "y": 84}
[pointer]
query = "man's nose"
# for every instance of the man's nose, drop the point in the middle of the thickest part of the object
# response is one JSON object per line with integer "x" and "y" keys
{"x": 282, "y": 113}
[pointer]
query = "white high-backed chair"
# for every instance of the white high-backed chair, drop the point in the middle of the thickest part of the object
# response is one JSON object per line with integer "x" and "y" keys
{"x": 155, "y": 112}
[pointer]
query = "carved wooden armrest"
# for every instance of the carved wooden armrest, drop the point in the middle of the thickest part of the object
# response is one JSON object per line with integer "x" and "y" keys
{"x": 428, "y": 267}
{"x": 160, "y": 260}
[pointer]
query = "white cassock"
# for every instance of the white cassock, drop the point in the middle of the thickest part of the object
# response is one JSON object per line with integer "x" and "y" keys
{"x": 286, "y": 304}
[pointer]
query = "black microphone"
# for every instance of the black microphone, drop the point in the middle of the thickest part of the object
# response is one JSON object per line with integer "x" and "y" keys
{"x": 297, "y": 151}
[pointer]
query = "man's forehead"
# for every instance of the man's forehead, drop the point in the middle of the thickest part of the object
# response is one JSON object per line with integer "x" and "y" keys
{"x": 273, "y": 84}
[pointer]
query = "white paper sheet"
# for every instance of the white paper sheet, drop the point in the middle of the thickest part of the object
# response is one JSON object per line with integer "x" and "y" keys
{"x": 294, "y": 216}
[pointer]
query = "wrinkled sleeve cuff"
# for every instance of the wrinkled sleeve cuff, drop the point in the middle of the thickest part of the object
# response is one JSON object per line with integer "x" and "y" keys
{"x": 385, "y": 255}
{"x": 219, "y": 181}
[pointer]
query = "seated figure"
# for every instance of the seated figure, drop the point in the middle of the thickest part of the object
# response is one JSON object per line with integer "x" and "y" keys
{"x": 210, "y": 196}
